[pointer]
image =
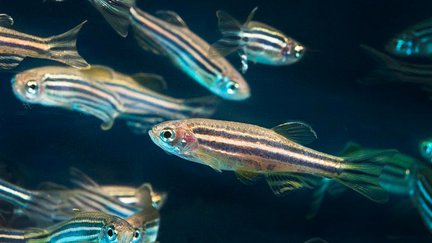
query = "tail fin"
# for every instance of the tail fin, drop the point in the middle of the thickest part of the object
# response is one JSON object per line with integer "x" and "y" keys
{"x": 231, "y": 40}
{"x": 362, "y": 172}
{"x": 423, "y": 196}
{"x": 63, "y": 48}
{"x": 116, "y": 13}
{"x": 202, "y": 106}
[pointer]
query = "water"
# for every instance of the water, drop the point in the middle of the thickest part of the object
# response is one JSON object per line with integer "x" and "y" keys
{"x": 204, "y": 206}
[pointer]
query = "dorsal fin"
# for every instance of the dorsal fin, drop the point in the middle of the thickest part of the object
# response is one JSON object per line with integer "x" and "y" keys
{"x": 251, "y": 15}
{"x": 298, "y": 132}
{"x": 172, "y": 18}
{"x": 151, "y": 81}
{"x": 6, "y": 20}
{"x": 99, "y": 72}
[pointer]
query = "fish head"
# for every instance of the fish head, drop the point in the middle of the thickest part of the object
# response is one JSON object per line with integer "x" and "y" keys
{"x": 292, "y": 52}
{"x": 117, "y": 230}
{"x": 403, "y": 44}
{"x": 27, "y": 86}
{"x": 232, "y": 86}
{"x": 175, "y": 138}
{"x": 426, "y": 149}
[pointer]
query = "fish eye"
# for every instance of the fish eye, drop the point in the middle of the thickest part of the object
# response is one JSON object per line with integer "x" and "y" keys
{"x": 111, "y": 233}
{"x": 137, "y": 234}
{"x": 231, "y": 87}
{"x": 167, "y": 135}
{"x": 299, "y": 50}
{"x": 32, "y": 87}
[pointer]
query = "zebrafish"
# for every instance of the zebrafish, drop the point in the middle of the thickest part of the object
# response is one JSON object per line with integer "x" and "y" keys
{"x": 147, "y": 221}
{"x": 53, "y": 203}
{"x": 15, "y": 46}
{"x": 136, "y": 196}
{"x": 115, "y": 12}
{"x": 423, "y": 196}
{"x": 167, "y": 34}
{"x": 392, "y": 70}
{"x": 276, "y": 154}
{"x": 107, "y": 95}
{"x": 256, "y": 42}
{"x": 426, "y": 149}
{"x": 83, "y": 227}
{"x": 415, "y": 41}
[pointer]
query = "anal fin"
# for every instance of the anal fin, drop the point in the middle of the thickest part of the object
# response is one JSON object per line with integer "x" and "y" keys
{"x": 281, "y": 183}
{"x": 247, "y": 177}
{"x": 10, "y": 61}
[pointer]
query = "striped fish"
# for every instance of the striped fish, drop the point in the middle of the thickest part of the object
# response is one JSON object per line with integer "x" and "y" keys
{"x": 15, "y": 46}
{"x": 256, "y": 42}
{"x": 415, "y": 41}
{"x": 423, "y": 196}
{"x": 147, "y": 221}
{"x": 53, "y": 203}
{"x": 167, "y": 34}
{"x": 136, "y": 196}
{"x": 276, "y": 154}
{"x": 107, "y": 95}
{"x": 83, "y": 227}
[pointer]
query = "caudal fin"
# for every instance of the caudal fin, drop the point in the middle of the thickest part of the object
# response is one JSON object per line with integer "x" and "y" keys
{"x": 230, "y": 29}
{"x": 422, "y": 196}
{"x": 201, "y": 107}
{"x": 63, "y": 48}
{"x": 362, "y": 173}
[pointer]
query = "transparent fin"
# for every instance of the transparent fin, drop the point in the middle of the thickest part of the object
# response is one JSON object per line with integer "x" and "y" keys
{"x": 99, "y": 72}
{"x": 247, "y": 177}
{"x": 318, "y": 198}
{"x": 151, "y": 81}
{"x": 80, "y": 179}
{"x": 423, "y": 196}
{"x": 6, "y": 20}
{"x": 298, "y": 132}
{"x": 116, "y": 13}
{"x": 172, "y": 18}
{"x": 62, "y": 48}
{"x": 107, "y": 119}
{"x": 201, "y": 107}
{"x": 281, "y": 183}
{"x": 231, "y": 40}
{"x": 361, "y": 173}
{"x": 10, "y": 61}
{"x": 251, "y": 15}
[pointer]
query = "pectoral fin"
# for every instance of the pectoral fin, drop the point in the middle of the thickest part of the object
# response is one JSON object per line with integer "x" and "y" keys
{"x": 151, "y": 81}
{"x": 209, "y": 160}
{"x": 10, "y": 61}
{"x": 6, "y": 20}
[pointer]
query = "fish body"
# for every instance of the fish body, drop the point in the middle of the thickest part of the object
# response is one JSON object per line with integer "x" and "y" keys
{"x": 107, "y": 95}
{"x": 15, "y": 46}
{"x": 256, "y": 42}
{"x": 415, "y": 41}
{"x": 83, "y": 227}
{"x": 422, "y": 196}
{"x": 54, "y": 203}
{"x": 147, "y": 221}
{"x": 168, "y": 35}
{"x": 250, "y": 151}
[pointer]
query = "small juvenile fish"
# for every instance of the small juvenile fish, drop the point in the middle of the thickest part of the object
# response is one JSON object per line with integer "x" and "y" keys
{"x": 276, "y": 154}
{"x": 107, "y": 95}
{"x": 415, "y": 41}
{"x": 256, "y": 42}
{"x": 146, "y": 221}
{"x": 426, "y": 149}
{"x": 83, "y": 227}
{"x": 115, "y": 12}
{"x": 168, "y": 35}
{"x": 15, "y": 46}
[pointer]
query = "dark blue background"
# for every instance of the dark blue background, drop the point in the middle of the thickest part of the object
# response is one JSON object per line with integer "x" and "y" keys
{"x": 204, "y": 206}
